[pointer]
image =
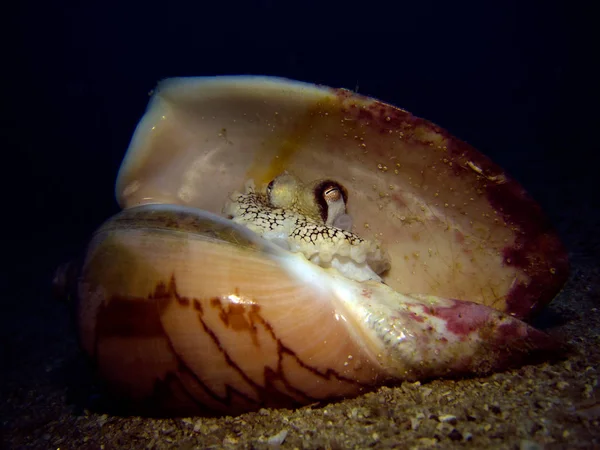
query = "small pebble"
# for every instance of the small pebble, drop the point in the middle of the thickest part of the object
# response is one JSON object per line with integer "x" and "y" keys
{"x": 277, "y": 439}
{"x": 428, "y": 442}
{"x": 230, "y": 440}
{"x": 455, "y": 435}
{"x": 448, "y": 418}
{"x": 414, "y": 423}
{"x": 529, "y": 445}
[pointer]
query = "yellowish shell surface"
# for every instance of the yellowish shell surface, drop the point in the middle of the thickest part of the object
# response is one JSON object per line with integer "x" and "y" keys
{"x": 206, "y": 312}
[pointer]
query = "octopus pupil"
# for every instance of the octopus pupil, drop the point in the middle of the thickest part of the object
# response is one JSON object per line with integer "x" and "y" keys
{"x": 331, "y": 193}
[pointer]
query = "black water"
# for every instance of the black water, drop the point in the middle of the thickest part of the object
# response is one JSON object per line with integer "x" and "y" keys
{"x": 515, "y": 80}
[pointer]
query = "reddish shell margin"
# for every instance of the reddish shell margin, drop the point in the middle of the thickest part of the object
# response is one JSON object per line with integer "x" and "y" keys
{"x": 537, "y": 250}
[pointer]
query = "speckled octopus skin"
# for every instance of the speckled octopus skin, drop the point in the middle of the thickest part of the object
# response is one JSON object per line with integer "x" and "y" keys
{"x": 299, "y": 233}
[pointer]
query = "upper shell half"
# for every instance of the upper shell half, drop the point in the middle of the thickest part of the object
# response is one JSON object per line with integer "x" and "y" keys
{"x": 454, "y": 224}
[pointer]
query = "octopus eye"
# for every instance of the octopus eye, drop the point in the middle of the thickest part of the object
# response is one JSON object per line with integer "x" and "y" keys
{"x": 270, "y": 188}
{"x": 331, "y": 198}
{"x": 332, "y": 194}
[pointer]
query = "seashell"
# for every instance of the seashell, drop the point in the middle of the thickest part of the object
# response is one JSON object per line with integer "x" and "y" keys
{"x": 282, "y": 243}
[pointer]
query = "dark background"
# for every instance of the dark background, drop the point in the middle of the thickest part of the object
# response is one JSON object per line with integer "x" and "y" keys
{"x": 515, "y": 79}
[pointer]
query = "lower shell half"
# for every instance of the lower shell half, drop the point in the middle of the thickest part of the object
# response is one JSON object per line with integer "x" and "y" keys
{"x": 184, "y": 312}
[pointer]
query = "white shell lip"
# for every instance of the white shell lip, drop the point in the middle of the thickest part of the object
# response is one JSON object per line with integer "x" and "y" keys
{"x": 215, "y": 220}
{"x": 178, "y": 93}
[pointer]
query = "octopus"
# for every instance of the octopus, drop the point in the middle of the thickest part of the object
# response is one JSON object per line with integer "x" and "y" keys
{"x": 310, "y": 219}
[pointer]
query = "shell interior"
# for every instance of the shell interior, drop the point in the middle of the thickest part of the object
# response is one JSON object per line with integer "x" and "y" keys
{"x": 454, "y": 224}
